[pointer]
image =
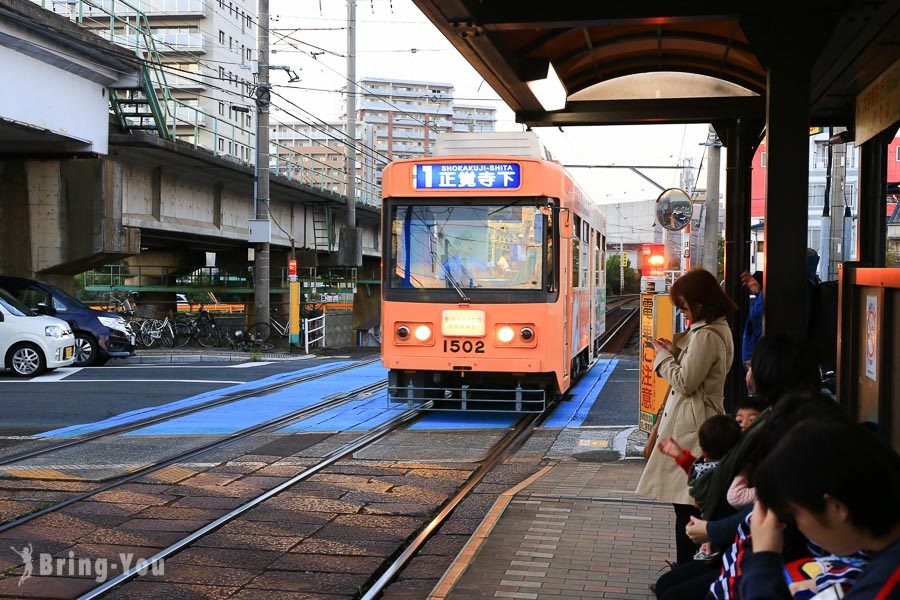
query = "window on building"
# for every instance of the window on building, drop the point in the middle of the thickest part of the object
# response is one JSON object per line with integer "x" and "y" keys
{"x": 221, "y": 73}
{"x": 816, "y": 195}
{"x": 248, "y": 55}
{"x": 762, "y": 160}
{"x": 221, "y": 145}
{"x": 221, "y": 37}
{"x": 820, "y": 159}
{"x": 230, "y": 42}
{"x": 221, "y": 108}
{"x": 813, "y": 238}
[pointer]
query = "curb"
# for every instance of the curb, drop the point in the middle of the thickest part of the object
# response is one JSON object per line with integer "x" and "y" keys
{"x": 166, "y": 359}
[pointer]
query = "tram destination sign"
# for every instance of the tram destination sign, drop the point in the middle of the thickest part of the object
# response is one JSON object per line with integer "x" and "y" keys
{"x": 462, "y": 176}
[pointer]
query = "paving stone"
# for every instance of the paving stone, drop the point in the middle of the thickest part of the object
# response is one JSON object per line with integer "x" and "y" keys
{"x": 225, "y": 557}
{"x": 424, "y": 567}
{"x": 393, "y": 508}
{"x": 163, "y": 524}
{"x": 37, "y": 586}
{"x": 289, "y": 528}
{"x": 348, "y": 548}
{"x": 369, "y": 520}
{"x": 243, "y": 541}
{"x": 208, "y": 502}
{"x": 335, "y": 583}
{"x": 154, "y": 590}
{"x": 410, "y": 589}
{"x": 256, "y": 594}
{"x": 327, "y": 564}
{"x": 313, "y": 504}
{"x": 204, "y": 575}
{"x": 181, "y": 514}
{"x": 264, "y": 513}
{"x": 342, "y": 532}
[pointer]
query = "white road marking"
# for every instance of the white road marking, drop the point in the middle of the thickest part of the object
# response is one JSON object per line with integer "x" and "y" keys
{"x": 621, "y": 441}
{"x": 57, "y": 375}
{"x": 249, "y": 364}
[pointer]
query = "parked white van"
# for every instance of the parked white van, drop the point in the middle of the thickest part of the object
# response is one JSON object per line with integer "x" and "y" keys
{"x": 31, "y": 345}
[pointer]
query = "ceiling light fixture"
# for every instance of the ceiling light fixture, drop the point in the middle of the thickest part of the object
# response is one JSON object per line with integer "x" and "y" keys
{"x": 549, "y": 91}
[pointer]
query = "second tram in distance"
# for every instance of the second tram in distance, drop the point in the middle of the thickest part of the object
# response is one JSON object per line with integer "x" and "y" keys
{"x": 493, "y": 278}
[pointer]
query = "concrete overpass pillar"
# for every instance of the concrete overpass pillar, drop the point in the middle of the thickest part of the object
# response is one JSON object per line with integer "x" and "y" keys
{"x": 60, "y": 218}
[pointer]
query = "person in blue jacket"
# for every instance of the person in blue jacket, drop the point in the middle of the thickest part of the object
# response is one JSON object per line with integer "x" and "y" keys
{"x": 840, "y": 484}
{"x": 753, "y": 328}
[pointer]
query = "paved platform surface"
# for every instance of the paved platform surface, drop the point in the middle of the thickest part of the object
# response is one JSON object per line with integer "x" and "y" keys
{"x": 579, "y": 531}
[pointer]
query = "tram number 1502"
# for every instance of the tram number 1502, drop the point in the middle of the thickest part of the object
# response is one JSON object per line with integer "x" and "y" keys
{"x": 466, "y": 346}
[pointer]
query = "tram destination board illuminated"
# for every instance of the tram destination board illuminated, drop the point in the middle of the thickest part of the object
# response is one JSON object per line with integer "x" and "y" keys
{"x": 462, "y": 176}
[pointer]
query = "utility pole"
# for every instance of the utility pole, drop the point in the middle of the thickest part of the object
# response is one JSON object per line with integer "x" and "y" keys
{"x": 825, "y": 221}
{"x": 350, "y": 247}
{"x": 838, "y": 186}
{"x": 261, "y": 227}
{"x": 710, "y": 251}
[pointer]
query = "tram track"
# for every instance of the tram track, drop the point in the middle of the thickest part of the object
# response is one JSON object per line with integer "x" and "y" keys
{"x": 402, "y": 420}
{"x": 499, "y": 452}
{"x": 268, "y": 426}
{"x": 141, "y": 423}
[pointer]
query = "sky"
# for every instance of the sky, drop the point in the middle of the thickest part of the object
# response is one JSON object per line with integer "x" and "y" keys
{"x": 387, "y": 33}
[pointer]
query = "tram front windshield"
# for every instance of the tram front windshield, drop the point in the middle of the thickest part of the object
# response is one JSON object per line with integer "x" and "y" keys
{"x": 499, "y": 247}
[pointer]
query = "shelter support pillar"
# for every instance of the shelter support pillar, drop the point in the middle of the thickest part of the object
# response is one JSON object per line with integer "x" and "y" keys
{"x": 740, "y": 139}
{"x": 787, "y": 182}
{"x": 871, "y": 226}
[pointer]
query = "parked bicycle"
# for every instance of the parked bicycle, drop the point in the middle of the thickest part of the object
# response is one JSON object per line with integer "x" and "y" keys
{"x": 201, "y": 327}
{"x": 264, "y": 331}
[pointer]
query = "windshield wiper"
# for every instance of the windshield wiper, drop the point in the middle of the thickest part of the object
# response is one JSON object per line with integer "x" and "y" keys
{"x": 451, "y": 279}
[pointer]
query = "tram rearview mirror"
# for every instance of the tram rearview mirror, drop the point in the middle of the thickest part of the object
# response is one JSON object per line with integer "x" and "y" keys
{"x": 674, "y": 209}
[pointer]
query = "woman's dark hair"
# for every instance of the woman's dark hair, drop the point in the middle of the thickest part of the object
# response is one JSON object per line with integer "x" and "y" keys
{"x": 699, "y": 291}
{"x": 781, "y": 365}
{"x": 784, "y": 416}
{"x": 840, "y": 459}
{"x": 719, "y": 434}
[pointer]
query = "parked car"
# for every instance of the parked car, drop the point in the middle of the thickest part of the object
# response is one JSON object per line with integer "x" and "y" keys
{"x": 99, "y": 335}
{"x": 29, "y": 344}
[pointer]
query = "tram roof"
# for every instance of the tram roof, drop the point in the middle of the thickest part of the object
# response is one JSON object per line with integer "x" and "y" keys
{"x": 648, "y": 61}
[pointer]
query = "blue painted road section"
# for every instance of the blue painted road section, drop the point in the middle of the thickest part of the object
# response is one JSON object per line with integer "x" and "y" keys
{"x": 473, "y": 420}
{"x": 234, "y": 416}
{"x": 143, "y": 413}
{"x": 573, "y": 411}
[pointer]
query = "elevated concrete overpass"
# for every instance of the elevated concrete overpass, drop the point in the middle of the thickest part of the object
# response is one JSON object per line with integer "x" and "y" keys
{"x": 75, "y": 193}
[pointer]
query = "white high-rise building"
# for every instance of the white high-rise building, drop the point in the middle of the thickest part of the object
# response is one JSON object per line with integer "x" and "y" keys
{"x": 206, "y": 47}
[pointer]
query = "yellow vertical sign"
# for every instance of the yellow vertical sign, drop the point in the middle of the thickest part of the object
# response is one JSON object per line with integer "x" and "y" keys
{"x": 656, "y": 322}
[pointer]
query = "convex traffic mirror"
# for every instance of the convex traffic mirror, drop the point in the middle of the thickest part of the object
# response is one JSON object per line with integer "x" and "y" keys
{"x": 674, "y": 209}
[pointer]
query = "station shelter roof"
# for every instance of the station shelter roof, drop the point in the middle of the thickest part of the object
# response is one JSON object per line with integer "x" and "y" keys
{"x": 647, "y": 61}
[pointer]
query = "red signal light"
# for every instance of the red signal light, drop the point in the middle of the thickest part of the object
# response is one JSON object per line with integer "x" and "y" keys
{"x": 653, "y": 260}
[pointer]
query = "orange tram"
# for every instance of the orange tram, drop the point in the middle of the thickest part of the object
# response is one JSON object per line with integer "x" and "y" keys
{"x": 493, "y": 279}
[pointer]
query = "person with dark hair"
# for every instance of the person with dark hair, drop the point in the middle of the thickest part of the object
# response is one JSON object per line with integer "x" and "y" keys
{"x": 731, "y": 532}
{"x": 841, "y": 486}
{"x": 747, "y": 411}
{"x": 695, "y": 369}
{"x": 781, "y": 365}
{"x": 717, "y": 435}
{"x": 753, "y": 328}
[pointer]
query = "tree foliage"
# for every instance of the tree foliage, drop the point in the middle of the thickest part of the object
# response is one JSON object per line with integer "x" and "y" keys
{"x": 632, "y": 277}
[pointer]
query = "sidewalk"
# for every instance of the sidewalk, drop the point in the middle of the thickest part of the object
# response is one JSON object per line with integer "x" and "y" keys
{"x": 156, "y": 356}
{"x": 579, "y": 531}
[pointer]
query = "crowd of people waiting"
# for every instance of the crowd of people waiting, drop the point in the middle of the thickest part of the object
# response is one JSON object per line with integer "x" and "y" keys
{"x": 788, "y": 498}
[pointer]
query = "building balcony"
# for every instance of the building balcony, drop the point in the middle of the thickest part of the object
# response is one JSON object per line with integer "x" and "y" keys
{"x": 166, "y": 43}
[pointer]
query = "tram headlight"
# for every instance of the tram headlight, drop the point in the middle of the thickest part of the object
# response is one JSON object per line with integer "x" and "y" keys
{"x": 423, "y": 333}
{"x": 403, "y": 332}
{"x": 527, "y": 334}
{"x": 505, "y": 334}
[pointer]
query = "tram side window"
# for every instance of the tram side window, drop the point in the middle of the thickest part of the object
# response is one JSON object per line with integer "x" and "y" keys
{"x": 585, "y": 253}
{"x": 576, "y": 252}
{"x": 599, "y": 263}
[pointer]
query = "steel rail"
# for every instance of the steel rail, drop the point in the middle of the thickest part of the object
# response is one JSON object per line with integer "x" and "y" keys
{"x": 272, "y": 424}
{"x": 397, "y": 422}
{"x": 508, "y": 444}
{"x": 115, "y": 430}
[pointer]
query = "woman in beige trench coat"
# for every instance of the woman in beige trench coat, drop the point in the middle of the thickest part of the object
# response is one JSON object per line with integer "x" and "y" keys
{"x": 695, "y": 368}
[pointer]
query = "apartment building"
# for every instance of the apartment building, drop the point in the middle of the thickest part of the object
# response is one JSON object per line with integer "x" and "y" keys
{"x": 206, "y": 47}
